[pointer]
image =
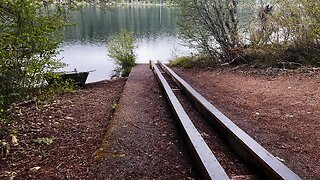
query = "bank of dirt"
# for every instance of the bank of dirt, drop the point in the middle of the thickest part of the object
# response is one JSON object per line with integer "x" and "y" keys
{"x": 280, "y": 111}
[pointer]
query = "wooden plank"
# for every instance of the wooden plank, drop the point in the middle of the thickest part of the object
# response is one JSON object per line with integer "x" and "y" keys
{"x": 207, "y": 164}
{"x": 240, "y": 141}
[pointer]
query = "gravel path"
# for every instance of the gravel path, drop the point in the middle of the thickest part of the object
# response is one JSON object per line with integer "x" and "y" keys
{"x": 142, "y": 141}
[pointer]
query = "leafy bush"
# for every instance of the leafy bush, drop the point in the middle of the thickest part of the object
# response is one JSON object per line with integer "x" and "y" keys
{"x": 29, "y": 38}
{"x": 121, "y": 50}
{"x": 185, "y": 62}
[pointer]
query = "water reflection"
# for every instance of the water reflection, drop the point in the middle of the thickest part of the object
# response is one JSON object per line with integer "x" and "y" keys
{"x": 85, "y": 44}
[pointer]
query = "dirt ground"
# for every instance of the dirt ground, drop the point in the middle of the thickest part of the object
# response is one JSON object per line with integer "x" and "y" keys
{"x": 279, "y": 110}
{"x": 71, "y": 128}
{"x": 73, "y": 137}
{"x": 80, "y": 136}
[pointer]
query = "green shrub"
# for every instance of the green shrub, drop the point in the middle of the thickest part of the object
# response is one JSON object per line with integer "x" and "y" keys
{"x": 185, "y": 62}
{"x": 29, "y": 41}
{"x": 193, "y": 61}
{"x": 121, "y": 50}
{"x": 278, "y": 55}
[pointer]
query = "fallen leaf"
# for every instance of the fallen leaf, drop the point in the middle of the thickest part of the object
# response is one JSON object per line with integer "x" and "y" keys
{"x": 14, "y": 140}
{"x": 204, "y": 134}
{"x": 69, "y": 118}
{"x": 47, "y": 141}
{"x": 10, "y": 175}
{"x": 34, "y": 169}
{"x": 118, "y": 155}
{"x": 282, "y": 160}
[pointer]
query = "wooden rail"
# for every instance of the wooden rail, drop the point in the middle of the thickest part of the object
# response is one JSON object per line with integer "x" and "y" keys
{"x": 246, "y": 147}
{"x": 207, "y": 164}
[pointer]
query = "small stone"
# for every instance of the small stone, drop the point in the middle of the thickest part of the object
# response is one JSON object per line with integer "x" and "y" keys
{"x": 288, "y": 115}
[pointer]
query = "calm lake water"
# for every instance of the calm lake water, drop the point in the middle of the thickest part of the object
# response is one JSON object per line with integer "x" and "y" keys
{"x": 85, "y": 46}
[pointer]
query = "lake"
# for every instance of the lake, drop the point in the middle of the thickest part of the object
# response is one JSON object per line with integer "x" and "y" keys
{"x": 85, "y": 44}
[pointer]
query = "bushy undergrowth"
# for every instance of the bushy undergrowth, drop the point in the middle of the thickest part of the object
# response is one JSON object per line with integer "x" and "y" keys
{"x": 275, "y": 55}
{"x": 29, "y": 41}
{"x": 283, "y": 57}
{"x": 262, "y": 32}
{"x": 193, "y": 61}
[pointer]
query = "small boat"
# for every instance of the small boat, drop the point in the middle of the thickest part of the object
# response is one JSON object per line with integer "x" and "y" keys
{"x": 78, "y": 78}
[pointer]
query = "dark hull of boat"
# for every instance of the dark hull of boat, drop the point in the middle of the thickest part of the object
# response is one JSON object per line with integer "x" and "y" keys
{"x": 78, "y": 78}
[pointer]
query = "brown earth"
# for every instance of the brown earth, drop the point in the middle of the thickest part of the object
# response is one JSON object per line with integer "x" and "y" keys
{"x": 139, "y": 141}
{"x": 74, "y": 122}
{"x": 280, "y": 111}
